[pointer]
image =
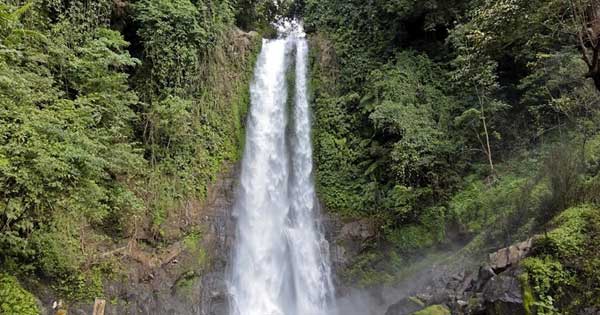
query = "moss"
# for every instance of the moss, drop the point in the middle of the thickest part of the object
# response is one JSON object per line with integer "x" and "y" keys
{"x": 562, "y": 269}
{"x": 528, "y": 298}
{"x": 14, "y": 299}
{"x": 192, "y": 241}
{"x": 416, "y": 300}
{"x": 192, "y": 244}
{"x": 362, "y": 273}
{"x": 433, "y": 310}
{"x": 184, "y": 286}
{"x": 568, "y": 237}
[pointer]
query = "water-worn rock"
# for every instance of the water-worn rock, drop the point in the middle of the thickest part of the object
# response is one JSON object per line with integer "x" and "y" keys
{"x": 347, "y": 240}
{"x": 502, "y": 294}
{"x": 590, "y": 311}
{"x": 359, "y": 230}
{"x": 483, "y": 276}
{"x": 493, "y": 289}
{"x": 405, "y": 306}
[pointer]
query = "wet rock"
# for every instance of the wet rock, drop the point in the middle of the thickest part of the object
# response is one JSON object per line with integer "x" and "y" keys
{"x": 483, "y": 276}
{"x": 502, "y": 294}
{"x": 358, "y": 230}
{"x": 475, "y": 305}
{"x": 347, "y": 240}
{"x": 405, "y": 306}
{"x": 493, "y": 289}
{"x": 467, "y": 282}
{"x": 510, "y": 256}
{"x": 153, "y": 284}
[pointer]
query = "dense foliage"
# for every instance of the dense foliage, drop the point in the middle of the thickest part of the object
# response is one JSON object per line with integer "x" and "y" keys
{"x": 112, "y": 116}
{"x": 564, "y": 272}
{"x": 66, "y": 126}
{"x": 14, "y": 299}
{"x": 442, "y": 119}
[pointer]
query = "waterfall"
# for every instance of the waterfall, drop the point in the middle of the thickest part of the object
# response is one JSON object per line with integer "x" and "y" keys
{"x": 280, "y": 263}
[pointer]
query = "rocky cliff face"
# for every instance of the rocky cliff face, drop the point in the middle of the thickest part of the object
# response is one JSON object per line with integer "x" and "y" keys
{"x": 186, "y": 276}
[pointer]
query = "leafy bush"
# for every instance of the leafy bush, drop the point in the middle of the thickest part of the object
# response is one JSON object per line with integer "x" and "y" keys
{"x": 410, "y": 239}
{"x": 193, "y": 88}
{"x": 480, "y": 204}
{"x": 563, "y": 272}
{"x": 80, "y": 286}
{"x": 66, "y": 127}
{"x": 88, "y": 153}
{"x": 177, "y": 36}
{"x": 567, "y": 240}
{"x": 15, "y": 300}
{"x": 547, "y": 276}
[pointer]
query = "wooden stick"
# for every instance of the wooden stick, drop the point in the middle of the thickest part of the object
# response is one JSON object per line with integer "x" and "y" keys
{"x": 99, "y": 305}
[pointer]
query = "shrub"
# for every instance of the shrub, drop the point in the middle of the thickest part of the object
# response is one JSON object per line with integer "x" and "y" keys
{"x": 546, "y": 275}
{"x": 564, "y": 271}
{"x": 479, "y": 204}
{"x": 15, "y": 300}
{"x": 568, "y": 237}
{"x": 563, "y": 167}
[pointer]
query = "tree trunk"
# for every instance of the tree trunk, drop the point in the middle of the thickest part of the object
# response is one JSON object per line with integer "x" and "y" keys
{"x": 588, "y": 16}
{"x": 488, "y": 148}
{"x": 596, "y": 78}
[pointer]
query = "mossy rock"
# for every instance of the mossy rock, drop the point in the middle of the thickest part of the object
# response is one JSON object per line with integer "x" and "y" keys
{"x": 405, "y": 306}
{"x": 528, "y": 298}
{"x": 416, "y": 300}
{"x": 433, "y": 310}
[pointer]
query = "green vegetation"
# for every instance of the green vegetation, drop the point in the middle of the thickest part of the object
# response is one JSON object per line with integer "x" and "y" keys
{"x": 452, "y": 121}
{"x": 434, "y": 310}
{"x": 441, "y": 121}
{"x": 113, "y": 116}
{"x": 563, "y": 273}
{"x": 14, "y": 299}
{"x": 192, "y": 244}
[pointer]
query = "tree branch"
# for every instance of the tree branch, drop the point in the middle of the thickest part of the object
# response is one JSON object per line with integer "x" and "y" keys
{"x": 583, "y": 49}
{"x": 594, "y": 65}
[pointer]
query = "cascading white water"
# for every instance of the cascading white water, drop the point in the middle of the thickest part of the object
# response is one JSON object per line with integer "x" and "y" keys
{"x": 280, "y": 262}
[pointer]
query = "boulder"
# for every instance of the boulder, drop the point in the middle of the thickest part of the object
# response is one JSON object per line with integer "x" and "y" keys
{"x": 483, "y": 276}
{"x": 510, "y": 256}
{"x": 502, "y": 294}
{"x": 433, "y": 310}
{"x": 405, "y": 306}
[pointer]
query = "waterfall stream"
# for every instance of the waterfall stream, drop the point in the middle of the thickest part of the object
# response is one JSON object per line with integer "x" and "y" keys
{"x": 280, "y": 262}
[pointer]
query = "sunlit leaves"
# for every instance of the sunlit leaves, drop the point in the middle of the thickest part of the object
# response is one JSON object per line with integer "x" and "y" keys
{"x": 65, "y": 124}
